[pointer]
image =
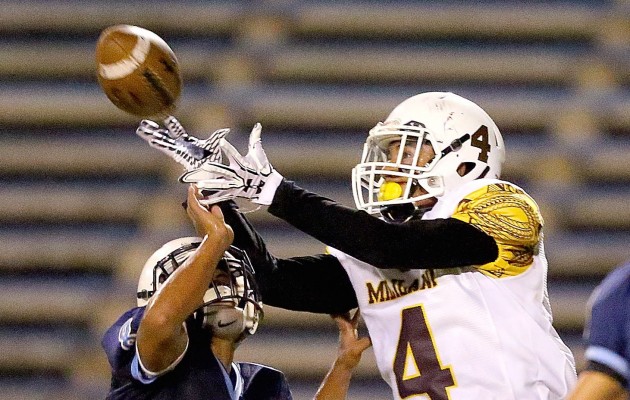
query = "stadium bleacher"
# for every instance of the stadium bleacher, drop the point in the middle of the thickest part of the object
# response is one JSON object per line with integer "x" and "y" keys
{"x": 84, "y": 201}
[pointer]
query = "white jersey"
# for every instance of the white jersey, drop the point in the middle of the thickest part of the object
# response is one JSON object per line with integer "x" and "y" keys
{"x": 480, "y": 332}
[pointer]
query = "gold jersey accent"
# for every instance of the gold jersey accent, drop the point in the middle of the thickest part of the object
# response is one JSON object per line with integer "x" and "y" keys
{"x": 512, "y": 218}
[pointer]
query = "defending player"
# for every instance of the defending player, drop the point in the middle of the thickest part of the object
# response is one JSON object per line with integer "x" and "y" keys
{"x": 197, "y": 301}
{"x": 445, "y": 261}
{"x": 607, "y": 373}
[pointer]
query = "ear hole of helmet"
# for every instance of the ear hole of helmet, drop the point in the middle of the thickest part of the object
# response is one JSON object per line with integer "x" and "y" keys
{"x": 465, "y": 168}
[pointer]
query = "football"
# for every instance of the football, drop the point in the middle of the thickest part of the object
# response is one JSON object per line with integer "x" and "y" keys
{"x": 138, "y": 71}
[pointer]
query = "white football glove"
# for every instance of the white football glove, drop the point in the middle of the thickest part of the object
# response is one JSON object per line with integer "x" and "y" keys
{"x": 173, "y": 141}
{"x": 251, "y": 176}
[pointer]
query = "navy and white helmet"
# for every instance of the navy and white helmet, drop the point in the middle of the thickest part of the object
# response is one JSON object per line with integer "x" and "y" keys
{"x": 460, "y": 133}
{"x": 229, "y": 308}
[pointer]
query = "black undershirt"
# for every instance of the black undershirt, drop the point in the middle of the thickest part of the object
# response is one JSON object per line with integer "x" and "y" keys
{"x": 319, "y": 283}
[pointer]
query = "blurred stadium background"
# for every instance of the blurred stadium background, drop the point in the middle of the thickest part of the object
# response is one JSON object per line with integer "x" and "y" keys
{"x": 84, "y": 201}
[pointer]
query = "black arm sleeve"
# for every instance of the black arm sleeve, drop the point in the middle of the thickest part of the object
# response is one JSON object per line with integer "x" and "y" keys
{"x": 316, "y": 284}
{"x": 438, "y": 243}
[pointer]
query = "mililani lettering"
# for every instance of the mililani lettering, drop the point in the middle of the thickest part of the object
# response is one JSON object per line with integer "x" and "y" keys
{"x": 394, "y": 288}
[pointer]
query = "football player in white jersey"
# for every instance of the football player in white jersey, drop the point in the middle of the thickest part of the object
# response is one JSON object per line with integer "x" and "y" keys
{"x": 445, "y": 260}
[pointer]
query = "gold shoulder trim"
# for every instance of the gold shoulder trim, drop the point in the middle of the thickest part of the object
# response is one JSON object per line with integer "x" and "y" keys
{"x": 512, "y": 218}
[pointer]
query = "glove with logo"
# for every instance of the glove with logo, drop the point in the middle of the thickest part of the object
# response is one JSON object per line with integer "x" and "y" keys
{"x": 250, "y": 177}
{"x": 176, "y": 143}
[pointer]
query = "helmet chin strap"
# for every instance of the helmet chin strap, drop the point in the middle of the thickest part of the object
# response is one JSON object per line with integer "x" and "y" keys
{"x": 398, "y": 213}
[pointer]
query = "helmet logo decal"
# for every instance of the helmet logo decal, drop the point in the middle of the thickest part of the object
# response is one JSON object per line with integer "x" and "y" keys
{"x": 222, "y": 324}
{"x": 126, "y": 337}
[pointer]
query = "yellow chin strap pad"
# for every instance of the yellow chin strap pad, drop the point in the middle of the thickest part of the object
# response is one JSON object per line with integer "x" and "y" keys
{"x": 389, "y": 191}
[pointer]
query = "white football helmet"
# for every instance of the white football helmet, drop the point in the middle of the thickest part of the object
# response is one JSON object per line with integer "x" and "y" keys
{"x": 466, "y": 144}
{"x": 230, "y": 309}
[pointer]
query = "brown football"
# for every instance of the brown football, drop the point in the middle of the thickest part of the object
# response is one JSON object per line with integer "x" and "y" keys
{"x": 138, "y": 71}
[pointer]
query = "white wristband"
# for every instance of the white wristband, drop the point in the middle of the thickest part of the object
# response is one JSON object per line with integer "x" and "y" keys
{"x": 269, "y": 190}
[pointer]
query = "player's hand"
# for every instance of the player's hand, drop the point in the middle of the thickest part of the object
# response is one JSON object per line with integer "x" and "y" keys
{"x": 251, "y": 176}
{"x": 173, "y": 141}
{"x": 351, "y": 347}
{"x": 208, "y": 222}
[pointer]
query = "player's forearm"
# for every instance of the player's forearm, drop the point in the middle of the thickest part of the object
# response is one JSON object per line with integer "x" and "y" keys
{"x": 185, "y": 289}
{"x": 440, "y": 243}
{"x": 597, "y": 385}
{"x": 336, "y": 383}
{"x": 316, "y": 284}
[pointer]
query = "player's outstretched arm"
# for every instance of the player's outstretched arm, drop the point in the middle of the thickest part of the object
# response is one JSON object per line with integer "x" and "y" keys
{"x": 337, "y": 382}
{"x": 161, "y": 336}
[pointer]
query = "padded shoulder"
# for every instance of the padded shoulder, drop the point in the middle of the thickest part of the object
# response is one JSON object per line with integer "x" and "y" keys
{"x": 503, "y": 211}
{"x": 509, "y": 215}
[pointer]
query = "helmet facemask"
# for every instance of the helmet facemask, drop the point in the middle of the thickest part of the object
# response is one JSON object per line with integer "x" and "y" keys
{"x": 397, "y": 160}
{"x": 232, "y": 305}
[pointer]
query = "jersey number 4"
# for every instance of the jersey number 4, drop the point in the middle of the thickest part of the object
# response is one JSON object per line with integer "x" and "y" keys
{"x": 417, "y": 366}
{"x": 480, "y": 140}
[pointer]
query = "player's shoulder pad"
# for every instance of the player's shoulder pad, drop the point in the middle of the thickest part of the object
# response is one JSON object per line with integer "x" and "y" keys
{"x": 253, "y": 372}
{"x": 614, "y": 285}
{"x": 500, "y": 198}
{"x": 129, "y": 323}
{"x": 503, "y": 211}
{"x": 256, "y": 366}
